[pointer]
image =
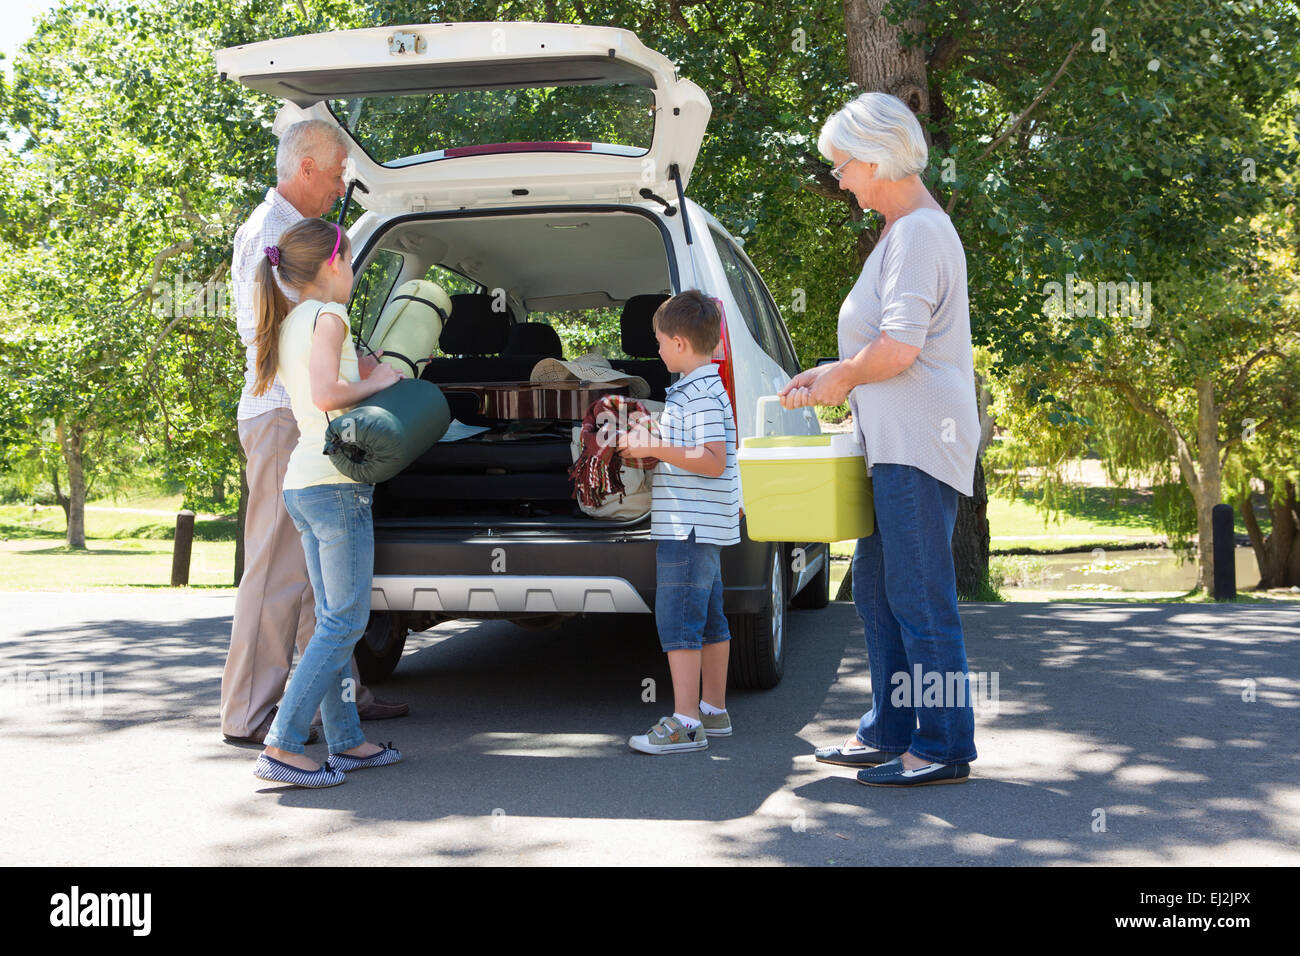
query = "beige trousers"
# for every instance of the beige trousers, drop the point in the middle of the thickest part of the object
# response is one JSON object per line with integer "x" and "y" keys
{"x": 275, "y": 606}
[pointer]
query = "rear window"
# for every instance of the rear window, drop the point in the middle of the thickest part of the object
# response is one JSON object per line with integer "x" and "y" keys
{"x": 401, "y": 130}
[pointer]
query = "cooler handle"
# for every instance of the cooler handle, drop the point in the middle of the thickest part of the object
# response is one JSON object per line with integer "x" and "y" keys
{"x": 758, "y": 410}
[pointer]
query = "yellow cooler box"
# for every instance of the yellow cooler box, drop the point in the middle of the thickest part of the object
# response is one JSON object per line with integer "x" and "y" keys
{"x": 805, "y": 488}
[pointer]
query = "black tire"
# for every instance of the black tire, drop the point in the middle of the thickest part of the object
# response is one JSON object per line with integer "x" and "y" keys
{"x": 816, "y": 594}
{"x": 380, "y": 648}
{"x": 757, "y": 660}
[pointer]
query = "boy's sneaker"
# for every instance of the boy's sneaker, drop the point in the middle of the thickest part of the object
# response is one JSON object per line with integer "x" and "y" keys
{"x": 668, "y": 737}
{"x": 716, "y": 725}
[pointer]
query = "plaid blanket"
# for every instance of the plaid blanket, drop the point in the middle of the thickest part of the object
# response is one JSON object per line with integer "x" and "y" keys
{"x": 596, "y": 472}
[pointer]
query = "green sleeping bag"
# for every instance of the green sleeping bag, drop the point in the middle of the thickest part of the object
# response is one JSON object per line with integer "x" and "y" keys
{"x": 378, "y": 438}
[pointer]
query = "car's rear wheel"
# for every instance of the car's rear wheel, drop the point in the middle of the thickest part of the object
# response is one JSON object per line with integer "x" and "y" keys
{"x": 758, "y": 640}
{"x": 380, "y": 648}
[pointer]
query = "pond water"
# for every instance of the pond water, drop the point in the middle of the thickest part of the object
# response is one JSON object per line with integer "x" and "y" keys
{"x": 1147, "y": 569}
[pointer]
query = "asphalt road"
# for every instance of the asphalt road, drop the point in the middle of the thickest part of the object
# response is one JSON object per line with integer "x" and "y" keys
{"x": 1127, "y": 715}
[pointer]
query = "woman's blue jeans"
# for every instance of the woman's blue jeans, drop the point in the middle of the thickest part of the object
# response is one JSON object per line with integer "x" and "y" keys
{"x": 338, "y": 538}
{"x": 905, "y": 590}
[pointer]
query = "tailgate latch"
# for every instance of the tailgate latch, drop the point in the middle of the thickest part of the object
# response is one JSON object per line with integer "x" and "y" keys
{"x": 400, "y": 43}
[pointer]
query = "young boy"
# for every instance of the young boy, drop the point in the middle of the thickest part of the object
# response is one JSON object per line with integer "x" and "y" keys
{"x": 695, "y": 512}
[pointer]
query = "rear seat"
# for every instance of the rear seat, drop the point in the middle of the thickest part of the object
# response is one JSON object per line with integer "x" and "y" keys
{"x": 477, "y": 336}
{"x": 534, "y": 338}
{"x": 489, "y": 347}
{"x": 638, "y": 338}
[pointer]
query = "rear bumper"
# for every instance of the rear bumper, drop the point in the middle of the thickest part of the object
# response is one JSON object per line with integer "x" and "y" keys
{"x": 544, "y": 574}
{"x": 506, "y": 593}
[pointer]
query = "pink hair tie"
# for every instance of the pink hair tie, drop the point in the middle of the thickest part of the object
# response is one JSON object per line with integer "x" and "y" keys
{"x": 273, "y": 253}
{"x": 337, "y": 239}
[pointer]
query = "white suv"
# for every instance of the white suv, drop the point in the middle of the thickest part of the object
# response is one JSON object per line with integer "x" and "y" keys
{"x": 535, "y": 168}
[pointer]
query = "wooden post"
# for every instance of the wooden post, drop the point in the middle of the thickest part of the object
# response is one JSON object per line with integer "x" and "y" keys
{"x": 182, "y": 544}
{"x": 1224, "y": 545}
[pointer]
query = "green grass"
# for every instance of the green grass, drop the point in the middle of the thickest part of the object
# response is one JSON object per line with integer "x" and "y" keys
{"x": 38, "y": 564}
{"x": 1098, "y": 519}
{"x": 47, "y": 521}
{"x": 130, "y": 548}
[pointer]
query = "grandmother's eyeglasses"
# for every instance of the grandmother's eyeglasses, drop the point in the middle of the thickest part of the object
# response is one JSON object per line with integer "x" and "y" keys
{"x": 838, "y": 172}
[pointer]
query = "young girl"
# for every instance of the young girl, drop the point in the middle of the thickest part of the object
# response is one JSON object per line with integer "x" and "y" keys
{"x": 311, "y": 351}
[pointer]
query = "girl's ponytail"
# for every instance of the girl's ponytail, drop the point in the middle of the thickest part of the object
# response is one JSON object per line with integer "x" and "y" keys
{"x": 270, "y": 307}
{"x": 303, "y": 248}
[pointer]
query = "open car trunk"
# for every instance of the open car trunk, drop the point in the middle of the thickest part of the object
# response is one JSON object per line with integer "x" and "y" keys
{"x": 513, "y": 470}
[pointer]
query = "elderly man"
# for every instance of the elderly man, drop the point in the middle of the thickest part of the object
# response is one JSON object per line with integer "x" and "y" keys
{"x": 275, "y": 605}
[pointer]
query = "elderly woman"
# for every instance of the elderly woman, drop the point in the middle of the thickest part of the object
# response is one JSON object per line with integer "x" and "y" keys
{"x": 906, "y": 368}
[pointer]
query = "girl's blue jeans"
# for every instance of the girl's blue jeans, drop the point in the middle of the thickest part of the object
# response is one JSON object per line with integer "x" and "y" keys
{"x": 339, "y": 540}
{"x": 905, "y": 590}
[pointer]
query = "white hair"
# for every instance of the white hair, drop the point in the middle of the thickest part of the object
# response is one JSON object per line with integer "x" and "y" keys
{"x": 881, "y": 129}
{"x": 307, "y": 138}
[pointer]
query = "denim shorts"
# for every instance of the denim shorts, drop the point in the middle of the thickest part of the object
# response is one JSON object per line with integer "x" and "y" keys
{"x": 688, "y": 594}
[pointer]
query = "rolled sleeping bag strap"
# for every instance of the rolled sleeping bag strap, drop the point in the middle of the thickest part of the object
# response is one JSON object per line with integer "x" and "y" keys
{"x": 380, "y": 437}
{"x": 415, "y": 369}
{"x": 442, "y": 314}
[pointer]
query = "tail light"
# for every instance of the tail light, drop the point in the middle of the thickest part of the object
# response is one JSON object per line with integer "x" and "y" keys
{"x": 722, "y": 359}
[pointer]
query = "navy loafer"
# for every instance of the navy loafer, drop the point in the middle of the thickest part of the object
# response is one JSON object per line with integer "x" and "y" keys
{"x": 859, "y": 756}
{"x": 893, "y": 774}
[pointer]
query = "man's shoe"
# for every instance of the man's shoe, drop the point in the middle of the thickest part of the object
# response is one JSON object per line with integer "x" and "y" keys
{"x": 859, "y": 756}
{"x": 669, "y": 736}
{"x": 258, "y": 736}
{"x": 383, "y": 710}
{"x": 894, "y": 774}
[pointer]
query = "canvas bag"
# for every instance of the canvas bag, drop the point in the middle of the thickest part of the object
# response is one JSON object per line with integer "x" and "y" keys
{"x": 637, "y": 483}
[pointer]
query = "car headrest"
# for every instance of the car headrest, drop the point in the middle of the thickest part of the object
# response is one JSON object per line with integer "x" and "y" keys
{"x": 474, "y": 328}
{"x": 534, "y": 338}
{"x": 637, "y": 329}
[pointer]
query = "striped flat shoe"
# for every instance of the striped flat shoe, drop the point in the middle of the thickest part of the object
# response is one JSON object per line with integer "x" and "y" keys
{"x": 894, "y": 774}
{"x": 381, "y": 759}
{"x": 268, "y": 768}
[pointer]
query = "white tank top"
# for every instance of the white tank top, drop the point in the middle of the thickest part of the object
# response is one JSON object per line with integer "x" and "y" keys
{"x": 308, "y": 465}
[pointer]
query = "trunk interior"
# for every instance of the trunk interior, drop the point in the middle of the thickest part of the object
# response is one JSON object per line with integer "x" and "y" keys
{"x": 507, "y": 274}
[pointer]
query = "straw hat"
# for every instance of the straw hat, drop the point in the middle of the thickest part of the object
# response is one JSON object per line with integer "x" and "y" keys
{"x": 591, "y": 367}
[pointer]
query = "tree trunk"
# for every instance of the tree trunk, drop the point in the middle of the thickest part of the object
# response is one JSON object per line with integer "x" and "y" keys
{"x": 970, "y": 539}
{"x": 1262, "y": 552}
{"x": 878, "y": 62}
{"x": 1282, "y": 514}
{"x": 70, "y": 444}
{"x": 1278, "y": 554}
{"x": 239, "y": 523}
{"x": 1210, "y": 481}
{"x": 59, "y": 496}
